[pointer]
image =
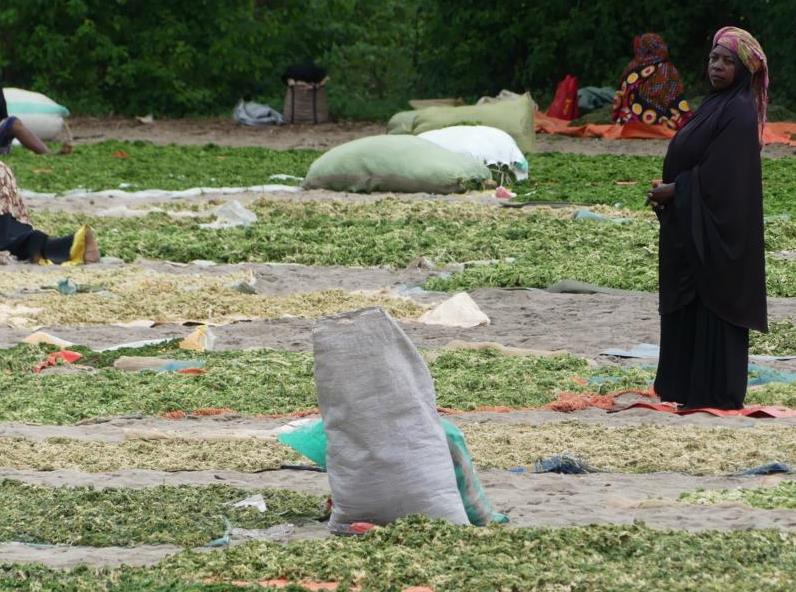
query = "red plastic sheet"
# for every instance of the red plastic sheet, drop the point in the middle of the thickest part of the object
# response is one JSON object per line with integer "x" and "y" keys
{"x": 65, "y": 356}
{"x": 756, "y": 411}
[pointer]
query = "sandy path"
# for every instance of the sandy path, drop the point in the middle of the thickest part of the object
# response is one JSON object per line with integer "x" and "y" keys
{"x": 583, "y": 324}
{"x": 225, "y": 132}
{"x": 67, "y": 556}
{"x": 238, "y": 427}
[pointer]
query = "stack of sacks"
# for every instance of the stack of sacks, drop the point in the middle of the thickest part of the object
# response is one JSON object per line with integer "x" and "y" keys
{"x": 513, "y": 115}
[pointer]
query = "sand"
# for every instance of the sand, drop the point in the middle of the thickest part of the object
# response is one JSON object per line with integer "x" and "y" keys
{"x": 225, "y": 132}
{"x": 584, "y": 324}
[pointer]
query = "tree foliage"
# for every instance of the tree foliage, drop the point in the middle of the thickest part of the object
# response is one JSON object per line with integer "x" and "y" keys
{"x": 199, "y": 56}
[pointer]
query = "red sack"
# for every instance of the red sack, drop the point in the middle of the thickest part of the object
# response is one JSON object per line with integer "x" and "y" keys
{"x": 565, "y": 103}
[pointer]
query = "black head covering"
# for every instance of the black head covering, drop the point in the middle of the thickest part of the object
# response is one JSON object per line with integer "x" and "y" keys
{"x": 711, "y": 240}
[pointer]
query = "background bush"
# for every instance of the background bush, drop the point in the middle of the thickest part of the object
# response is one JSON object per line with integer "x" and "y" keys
{"x": 189, "y": 57}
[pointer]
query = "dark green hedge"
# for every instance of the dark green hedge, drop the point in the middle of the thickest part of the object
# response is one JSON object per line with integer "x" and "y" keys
{"x": 186, "y": 57}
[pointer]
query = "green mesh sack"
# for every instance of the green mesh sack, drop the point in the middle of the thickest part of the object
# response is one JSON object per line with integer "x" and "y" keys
{"x": 403, "y": 164}
{"x": 310, "y": 441}
{"x": 515, "y": 117}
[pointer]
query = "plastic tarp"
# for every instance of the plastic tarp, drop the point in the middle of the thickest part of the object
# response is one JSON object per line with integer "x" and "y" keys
{"x": 256, "y": 114}
{"x": 652, "y": 351}
{"x": 755, "y": 411}
{"x": 773, "y": 133}
{"x": 162, "y": 193}
{"x": 395, "y": 163}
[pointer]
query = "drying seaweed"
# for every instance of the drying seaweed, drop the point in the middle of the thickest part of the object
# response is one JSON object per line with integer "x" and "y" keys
{"x": 419, "y": 552}
{"x": 181, "y": 515}
{"x": 783, "y": 495}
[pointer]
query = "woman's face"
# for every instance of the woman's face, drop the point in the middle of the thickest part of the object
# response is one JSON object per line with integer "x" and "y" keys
{"x": 721, "y": 68}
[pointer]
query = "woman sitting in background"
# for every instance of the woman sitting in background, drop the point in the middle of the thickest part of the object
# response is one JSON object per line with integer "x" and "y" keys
{"x": 651, "y": 90}
{"x": 12, "y": 129}
{"x": 19, "y": 238}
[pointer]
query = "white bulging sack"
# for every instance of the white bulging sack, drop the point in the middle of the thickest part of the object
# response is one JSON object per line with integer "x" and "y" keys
{"x": 487, "y": 144}
{"x": 40, "y": 114}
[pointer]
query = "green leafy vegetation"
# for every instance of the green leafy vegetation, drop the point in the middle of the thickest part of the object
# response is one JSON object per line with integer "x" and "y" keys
{"x": 575, "y": 178}
{"x": 135, "y": 166}
{"x": 783, "y": 495}
{"x": 420, "y": 552}
{"x": 182, "y": 515}
{"x": 170, "y": 454}
{"x": 133, "y": 293}
{"x": 622, "y": 179}
{"x": 780, "y": 339}
{"x": 273, "y": 381}
{"x": 254, "y": 382}
{"x": 689, "y": 449}
{"x": 545, "y": 246}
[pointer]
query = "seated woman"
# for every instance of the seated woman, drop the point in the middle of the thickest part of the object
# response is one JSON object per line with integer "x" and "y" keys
{"x": 12, "y": 129}
{"x": 651, "y": 90}
{"x": 19, "y": 238}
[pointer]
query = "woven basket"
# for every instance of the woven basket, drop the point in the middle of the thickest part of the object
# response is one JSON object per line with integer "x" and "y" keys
{"x": 306, "y": 103}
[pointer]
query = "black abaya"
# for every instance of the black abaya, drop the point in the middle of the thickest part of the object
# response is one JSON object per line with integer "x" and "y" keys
{"x": 711, "y": 256}
{"x": 27, "y": 244}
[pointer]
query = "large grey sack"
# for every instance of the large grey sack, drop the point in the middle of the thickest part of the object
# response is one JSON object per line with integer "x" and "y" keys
{"x": 387, "y": 454}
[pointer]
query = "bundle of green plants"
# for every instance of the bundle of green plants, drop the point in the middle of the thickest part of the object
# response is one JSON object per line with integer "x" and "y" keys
{"x": 180, "y": 515}
{"x": 420, "y": 552}
{"x": 783, "y": 495}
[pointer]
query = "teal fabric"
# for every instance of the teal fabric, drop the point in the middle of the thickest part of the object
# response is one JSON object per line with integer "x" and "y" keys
{"x": 310, "y": 440}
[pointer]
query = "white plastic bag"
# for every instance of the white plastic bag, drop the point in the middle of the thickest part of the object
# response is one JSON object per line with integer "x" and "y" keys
{"x": 230, "y": 215}
{"x": 487, "y": 144}
{"x": 256, "y": 114}
{"x": 459, "y": 310}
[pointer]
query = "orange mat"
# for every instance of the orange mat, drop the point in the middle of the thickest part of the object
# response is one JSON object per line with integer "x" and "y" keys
{"x": 756, "y": 411}
{"x": 774, "y": 133}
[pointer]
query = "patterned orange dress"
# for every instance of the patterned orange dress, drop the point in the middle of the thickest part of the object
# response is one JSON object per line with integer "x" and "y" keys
{"x": 651, "y": 90}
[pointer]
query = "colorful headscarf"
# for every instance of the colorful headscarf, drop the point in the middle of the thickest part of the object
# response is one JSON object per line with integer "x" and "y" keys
{"x": 751, "y": 54}
{"x": 649, "y": 48}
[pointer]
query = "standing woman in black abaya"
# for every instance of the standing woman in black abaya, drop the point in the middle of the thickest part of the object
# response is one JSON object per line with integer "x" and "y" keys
{"x": 712, "y": 284}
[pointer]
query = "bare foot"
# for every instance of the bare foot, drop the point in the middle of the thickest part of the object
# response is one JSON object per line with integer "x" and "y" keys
{"x": 92, "y": 253}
